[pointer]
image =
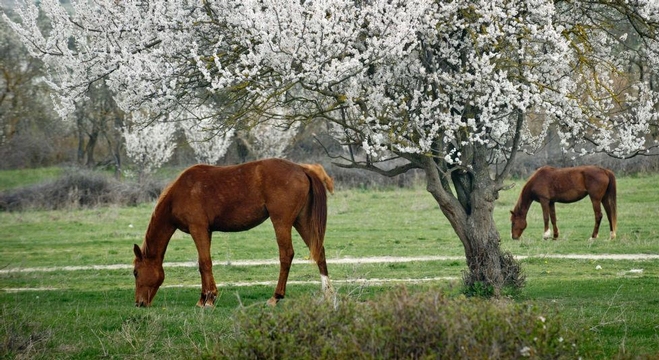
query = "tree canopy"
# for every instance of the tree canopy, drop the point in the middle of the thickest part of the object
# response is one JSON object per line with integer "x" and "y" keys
{"x": 408, "y": 77}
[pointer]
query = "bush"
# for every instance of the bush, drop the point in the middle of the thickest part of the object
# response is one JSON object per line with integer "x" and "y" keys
{"x": 399, "y": 325}
{"x": 79, "y": 189}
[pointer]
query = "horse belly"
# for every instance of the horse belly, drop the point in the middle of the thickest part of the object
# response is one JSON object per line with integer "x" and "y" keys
{"x": 570, "y": 196}
{"x": 234, "y": 221}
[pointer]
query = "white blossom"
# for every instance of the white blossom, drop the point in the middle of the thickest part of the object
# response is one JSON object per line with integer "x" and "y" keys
{"x": 409, "y": 77}
{"x": 272, "y": 138}
{"x": 149, "y": 145}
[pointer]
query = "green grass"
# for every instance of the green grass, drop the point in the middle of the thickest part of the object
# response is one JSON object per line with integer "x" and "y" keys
{"x": 10, "y": 179}
{"x": 89, "y": 313}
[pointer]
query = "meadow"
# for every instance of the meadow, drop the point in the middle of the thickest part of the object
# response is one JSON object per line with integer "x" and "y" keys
{"x": 58, "y": 301}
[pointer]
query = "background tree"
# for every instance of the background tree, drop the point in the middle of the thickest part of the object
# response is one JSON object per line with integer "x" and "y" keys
{"x": 270, "y": 139}
{"x": 455, "y": 89}
{"x": 98, "y": 119}
{"x": 29, "y": 132}
{"x": 149, "y": 145}
{"x": 208, "y": 145}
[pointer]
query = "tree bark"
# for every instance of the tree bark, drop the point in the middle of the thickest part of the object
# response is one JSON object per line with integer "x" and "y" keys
{"x": 472, "y": 221}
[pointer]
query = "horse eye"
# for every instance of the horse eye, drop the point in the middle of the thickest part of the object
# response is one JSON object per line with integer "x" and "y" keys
{"x": 135, "y": 273}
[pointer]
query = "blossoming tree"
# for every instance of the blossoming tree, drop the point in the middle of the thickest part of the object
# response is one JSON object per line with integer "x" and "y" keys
{"x": 270, "y": 139}
{"x": 148, "y": 145}
{"x": 208, "y": 141}
{"x": 449, "y": 87}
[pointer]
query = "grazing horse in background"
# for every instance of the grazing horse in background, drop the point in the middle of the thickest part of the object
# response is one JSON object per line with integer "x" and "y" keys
{"x": 550, "y": 185}
{"x": 234, "y": 198}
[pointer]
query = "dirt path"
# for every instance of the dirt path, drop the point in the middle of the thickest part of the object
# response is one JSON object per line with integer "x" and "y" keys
{"x": 359, "y": 281}
{"x": 347, "y": 260}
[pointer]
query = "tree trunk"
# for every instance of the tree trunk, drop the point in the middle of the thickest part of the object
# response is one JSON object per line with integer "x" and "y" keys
{"x": 91, "y": 146}
{"x": 81, "y": 140}
{"x": 483, "y": 254}
{"x": 472, "y": 221}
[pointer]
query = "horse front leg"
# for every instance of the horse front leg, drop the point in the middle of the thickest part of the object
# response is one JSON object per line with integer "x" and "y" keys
{"x": 545, "y": 217}
{"x": 286, "y": 255}
{"x": 202, "y": 240}
{"x": 552, "y": 215}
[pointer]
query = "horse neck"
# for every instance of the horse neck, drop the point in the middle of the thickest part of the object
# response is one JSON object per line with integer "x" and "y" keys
{"x": 524, "y": 201}
{"x": 157, "y": 236}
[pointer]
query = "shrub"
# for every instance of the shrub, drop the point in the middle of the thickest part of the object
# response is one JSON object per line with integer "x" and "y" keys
{"x": 79, "y": 189}
{"x": 399, "y": 325}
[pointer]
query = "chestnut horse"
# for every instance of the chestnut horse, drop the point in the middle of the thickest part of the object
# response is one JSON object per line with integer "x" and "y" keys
{"x": 208, "y": 198}
{"x": 550, "y": 185}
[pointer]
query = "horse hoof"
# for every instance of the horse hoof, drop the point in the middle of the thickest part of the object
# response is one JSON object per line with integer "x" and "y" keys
{"x": 207, "y": 300}
{"x": 272, "y": 301}
{"x": 205, "y": 304}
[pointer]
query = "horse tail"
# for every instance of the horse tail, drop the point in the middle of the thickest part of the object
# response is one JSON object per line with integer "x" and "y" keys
{"x": 610, "y": 198}
{"x": 319, "y": 171}
{"x": 317, "y": 213}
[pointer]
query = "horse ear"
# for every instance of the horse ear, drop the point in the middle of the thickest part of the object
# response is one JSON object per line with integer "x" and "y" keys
{"x": 138, "y": 252}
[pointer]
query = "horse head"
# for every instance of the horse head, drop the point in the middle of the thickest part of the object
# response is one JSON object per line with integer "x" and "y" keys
{"x": 149, "y": 275}
{"x": 518, "y": 224}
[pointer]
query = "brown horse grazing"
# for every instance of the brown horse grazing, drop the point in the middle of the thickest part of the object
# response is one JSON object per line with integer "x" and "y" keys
{"x": 208, "y": 198}
{"x": 550, "y": 185}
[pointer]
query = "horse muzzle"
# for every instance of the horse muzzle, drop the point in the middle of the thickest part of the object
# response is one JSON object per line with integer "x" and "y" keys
{"x": 142, "y": 301}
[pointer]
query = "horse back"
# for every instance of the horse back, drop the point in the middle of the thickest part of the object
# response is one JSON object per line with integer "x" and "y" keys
{"x": 570, "y": 184}
{"x": 236, "y": 197}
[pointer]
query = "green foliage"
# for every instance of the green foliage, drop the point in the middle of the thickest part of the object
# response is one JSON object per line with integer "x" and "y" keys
{"x": 400, "y": 325}
{"x": 476, "y": 288}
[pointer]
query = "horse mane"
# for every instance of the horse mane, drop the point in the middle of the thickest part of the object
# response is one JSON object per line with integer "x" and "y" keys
{"x": 159, "y": 213}
{"x": 524, "y": 200}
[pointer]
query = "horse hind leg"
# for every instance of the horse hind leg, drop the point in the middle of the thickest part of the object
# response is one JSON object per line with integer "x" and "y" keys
{"x": 325, "y": 284}
{"x": 610, "y": 215}
{"x": 286, "y": 254}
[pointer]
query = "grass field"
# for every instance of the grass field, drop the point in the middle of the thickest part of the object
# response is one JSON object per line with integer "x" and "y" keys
{"x": 51, "y": 312}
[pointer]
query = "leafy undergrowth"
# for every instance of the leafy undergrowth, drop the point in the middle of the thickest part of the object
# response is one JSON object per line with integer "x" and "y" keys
{"x": 399, "y": 325}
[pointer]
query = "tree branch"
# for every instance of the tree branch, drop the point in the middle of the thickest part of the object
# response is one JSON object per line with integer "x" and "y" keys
{"x": 370, "y": 167}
